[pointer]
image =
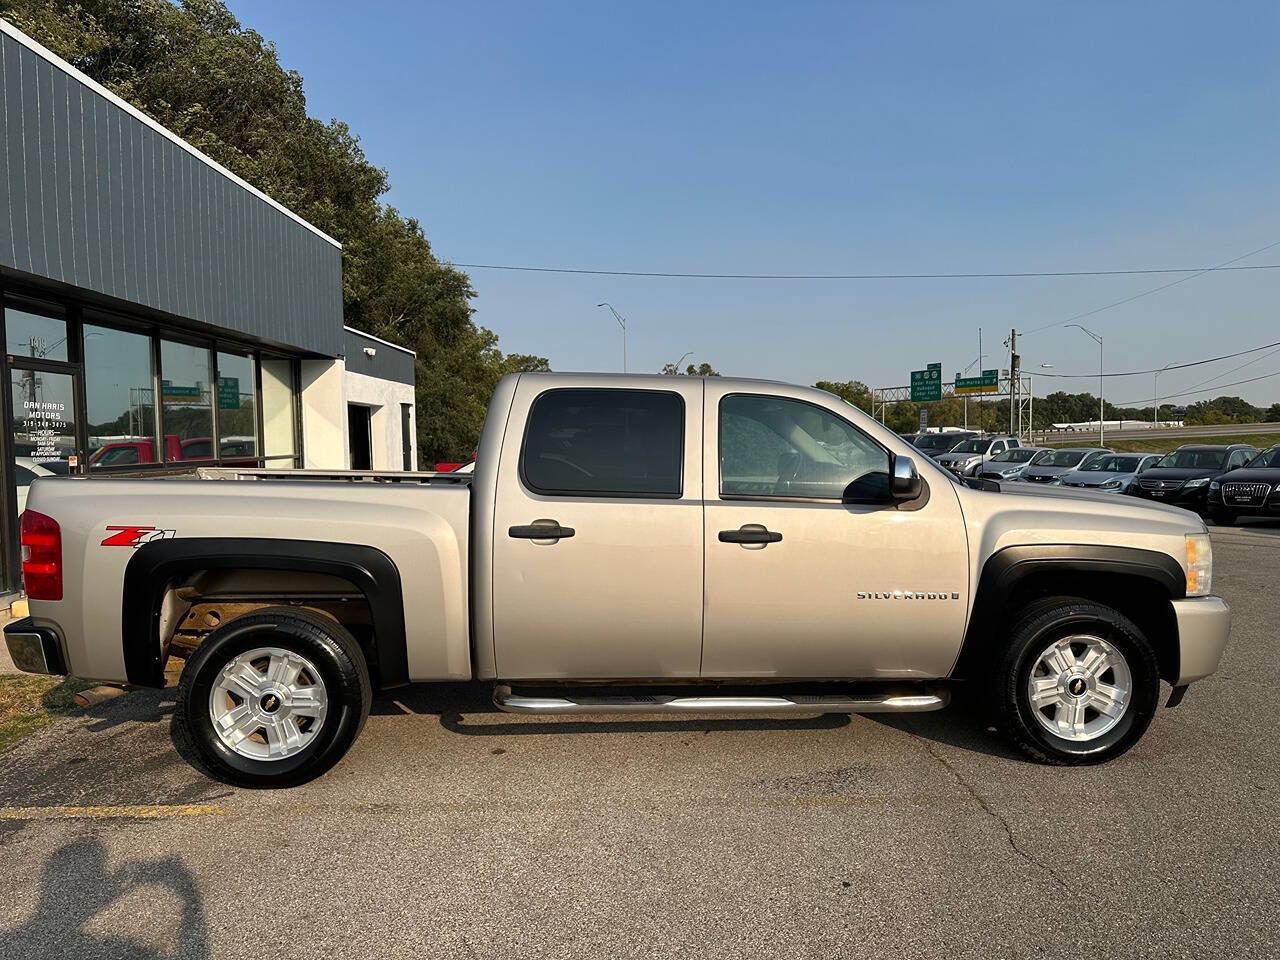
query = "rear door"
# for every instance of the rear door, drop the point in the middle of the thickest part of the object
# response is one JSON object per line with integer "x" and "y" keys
{"x": 597, "y": 559}
{"x": 804, "y": 583}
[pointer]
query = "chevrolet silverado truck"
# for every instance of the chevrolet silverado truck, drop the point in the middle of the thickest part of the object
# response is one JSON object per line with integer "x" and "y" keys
{"x": 624, "y": 545}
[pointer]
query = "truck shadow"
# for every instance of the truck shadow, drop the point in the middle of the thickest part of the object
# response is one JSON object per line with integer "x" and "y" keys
{"x": 77, "y": 885}
{"x": 453, "y": 702}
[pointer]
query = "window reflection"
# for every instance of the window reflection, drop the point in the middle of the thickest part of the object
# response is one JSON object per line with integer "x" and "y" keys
{"x": 118, "y": 377}
{"x": 34, "y": 335}
{"x": 237, "y": 411}
{"x": 187, "y": 404}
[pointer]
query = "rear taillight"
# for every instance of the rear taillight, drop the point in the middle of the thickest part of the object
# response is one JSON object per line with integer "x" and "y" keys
{"x": 41, "y": 556}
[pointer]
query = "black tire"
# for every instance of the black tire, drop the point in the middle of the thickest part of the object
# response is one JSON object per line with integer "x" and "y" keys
{"x": 337, "y": 658}
{"x": 1038, "y": 625}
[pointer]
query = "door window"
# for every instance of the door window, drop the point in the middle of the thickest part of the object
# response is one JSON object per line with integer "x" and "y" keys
{"x": 775, "y": 447}
{"x": 604, "y": 443}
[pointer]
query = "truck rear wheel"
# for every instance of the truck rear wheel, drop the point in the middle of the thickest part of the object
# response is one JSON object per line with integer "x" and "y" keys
{"x": 1078, "y": 682}
{"x": 272, "y": 699}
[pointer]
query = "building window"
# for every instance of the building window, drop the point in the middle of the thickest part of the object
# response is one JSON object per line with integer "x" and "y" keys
{"x": 187, "y": 417}
{"x": 119, "y": 383}
{"x": 237, "y": 408}
{"x": 34, "y": 335}
{"x": 279, "y": 418}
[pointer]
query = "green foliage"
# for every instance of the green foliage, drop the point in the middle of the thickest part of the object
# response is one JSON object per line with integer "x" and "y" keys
{"x": 192, "y": 67}
{"x": 1224, "y": 410}
{"x": 701, "y": 370}
{"x": 853, "y": 392}
{"x": 1273, "y": 414}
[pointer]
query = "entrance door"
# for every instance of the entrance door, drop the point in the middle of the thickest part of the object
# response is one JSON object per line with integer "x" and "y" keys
{"x": 597, "y": 535}
{"x": 406, "y": 435}
{"x": 360, "y": 436}
{"x": 811, "y": 571}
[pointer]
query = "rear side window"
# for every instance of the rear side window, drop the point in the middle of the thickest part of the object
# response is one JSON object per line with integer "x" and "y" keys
{"x": 608, "y": 443}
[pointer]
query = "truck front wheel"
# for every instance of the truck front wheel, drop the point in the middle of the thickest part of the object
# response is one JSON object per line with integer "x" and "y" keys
{"x": 1078, "y": 682}
{"x": 272, "y": 699}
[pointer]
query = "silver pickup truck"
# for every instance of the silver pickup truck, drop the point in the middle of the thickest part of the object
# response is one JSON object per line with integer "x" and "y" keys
{"x": 625, "y": 544}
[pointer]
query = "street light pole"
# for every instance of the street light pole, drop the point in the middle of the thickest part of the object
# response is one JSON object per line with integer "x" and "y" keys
{"x": 1155, "y": 392}
{"x": 1102, "y": 406}
{"x": 623, "y": 324}
{"x": 676, "y": 365}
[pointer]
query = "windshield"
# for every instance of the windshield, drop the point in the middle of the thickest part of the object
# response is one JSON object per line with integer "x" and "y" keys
{"x": 1016, "y": 455}
{"x": 1267, "y": 458}
{"x": 973, "y": 446}
{"x": 1058, "y": 458}
{"x": 1108, "y": 464}
{"x": 940, "y": 441}
{"x": 1194, "y": 459}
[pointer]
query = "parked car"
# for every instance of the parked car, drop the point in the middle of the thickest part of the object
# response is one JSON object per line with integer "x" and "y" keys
{"x": 1048, "y": 465}
{"x": 967, "y": 459}
{"x": 1182, "y": 477}
{"x": 936, "y": 444}
{"x": 1113, "y": 473}
{"x": 1010, "y": 464}
{"x": 626, "y": 545}
{"x": 1252, "y": 490}
{"x": 120, "y": 453}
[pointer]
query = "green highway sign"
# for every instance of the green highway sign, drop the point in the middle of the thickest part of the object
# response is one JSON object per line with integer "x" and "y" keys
{"x": 228, "y": 393}
{"x": 178, "y": 394}
{"x": 926, "y": 384}
{"x": 989, "y": 382}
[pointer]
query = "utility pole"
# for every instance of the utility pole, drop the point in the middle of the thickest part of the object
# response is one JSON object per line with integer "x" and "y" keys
{"x": 1102, "y": 405}
{"x": 1014, "y": 383}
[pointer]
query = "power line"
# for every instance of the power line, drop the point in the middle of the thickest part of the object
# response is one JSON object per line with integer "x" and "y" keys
{"x": 1188, "y": 393}
{"x": 672, "y": 275}
{"x": 1225, "y": 265}
{"x": 1227, "y": 373}
{"x": 1176, "y": 366}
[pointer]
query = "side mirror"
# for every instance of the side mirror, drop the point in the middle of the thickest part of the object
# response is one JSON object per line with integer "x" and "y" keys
{"x": 905, "y": 483}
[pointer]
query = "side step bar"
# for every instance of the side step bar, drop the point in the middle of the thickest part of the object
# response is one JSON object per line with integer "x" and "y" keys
{"x": 884, "y": 702}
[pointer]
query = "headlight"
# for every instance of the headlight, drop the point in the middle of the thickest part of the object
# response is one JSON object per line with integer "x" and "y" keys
{"x": 1278, "y": 488}
{"x": 1055, "y": 482}
{"x": 1196, "y": 483}
{"x": 1112, "y": 485}
{"x": 1213, "y": 486}
{"x": 1199, "y": 564}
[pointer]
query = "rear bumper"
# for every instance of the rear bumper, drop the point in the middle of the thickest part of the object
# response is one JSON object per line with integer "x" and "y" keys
{"x": 33, "y": 648}
{"x": 1203, "y": 626}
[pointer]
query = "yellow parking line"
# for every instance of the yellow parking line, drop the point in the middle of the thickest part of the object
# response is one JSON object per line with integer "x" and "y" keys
{"x": 151, "y": 811}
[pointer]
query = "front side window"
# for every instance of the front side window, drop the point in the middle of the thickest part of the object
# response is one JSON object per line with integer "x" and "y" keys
{"x": 185, "y": 398}
{"x": 775, "y": 447}
{"x": 118, "y": 388}
{"x": 973, "y": 446}
{"x": 605, "y": 443}
{"x": 1267, "y": 458}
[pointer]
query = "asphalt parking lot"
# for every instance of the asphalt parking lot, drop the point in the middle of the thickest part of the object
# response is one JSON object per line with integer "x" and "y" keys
{"x": 453, "y": 830}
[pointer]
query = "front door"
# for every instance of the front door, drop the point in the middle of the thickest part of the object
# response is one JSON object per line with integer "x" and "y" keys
{"x": 597, "y": 559}
{"x": 811, "y": 571}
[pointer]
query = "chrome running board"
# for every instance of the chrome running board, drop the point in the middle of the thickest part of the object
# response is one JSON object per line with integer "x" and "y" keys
{"x": 574, "y": 702}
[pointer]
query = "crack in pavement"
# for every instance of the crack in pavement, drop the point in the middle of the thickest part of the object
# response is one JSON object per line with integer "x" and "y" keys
{"x": 990, "y": 811}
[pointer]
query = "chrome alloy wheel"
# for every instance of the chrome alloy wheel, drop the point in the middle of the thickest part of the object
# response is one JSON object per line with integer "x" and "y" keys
{"x": 268, "y": 703}
{"x": 1080, "y": 687}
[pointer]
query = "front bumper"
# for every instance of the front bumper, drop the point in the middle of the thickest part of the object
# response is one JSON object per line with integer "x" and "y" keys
{"x": 33, "y": 648}
{"x": 1203, "y": 626}
{"x": 1270, "y": 507}
{"x": 1193, "y": 499}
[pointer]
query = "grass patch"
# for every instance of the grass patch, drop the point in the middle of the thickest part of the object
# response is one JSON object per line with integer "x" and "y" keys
{"x": 29, "y": 702}
{"x": 1165, "y": 444}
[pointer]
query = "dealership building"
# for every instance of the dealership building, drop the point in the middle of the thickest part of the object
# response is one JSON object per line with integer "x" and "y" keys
{"x": 159, "y": 313}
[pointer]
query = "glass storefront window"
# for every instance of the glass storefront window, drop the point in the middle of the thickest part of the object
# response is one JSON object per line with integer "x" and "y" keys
{"x": 237, "y": 409}
{"x": 34, "y": 335}
{"x": 120, "y": 409}
{"x": 185, "y": 398}
{"x": 44, "y": 426}
{"x": 278, "y": 441}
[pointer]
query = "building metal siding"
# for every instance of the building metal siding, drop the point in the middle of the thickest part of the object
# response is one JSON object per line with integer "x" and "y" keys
{"x": 98, "y": 199}
{"x": 388, "y": 362}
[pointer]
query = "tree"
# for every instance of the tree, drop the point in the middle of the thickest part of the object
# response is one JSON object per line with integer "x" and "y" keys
{"x": 701, "y": 370}
{"x": 853, "y": 392}
{"x": 192, "y": 67}
{"x": 1273, "y": 414}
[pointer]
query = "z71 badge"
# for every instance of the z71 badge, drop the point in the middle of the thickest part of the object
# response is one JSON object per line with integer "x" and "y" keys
{"x": 133, "y": 536}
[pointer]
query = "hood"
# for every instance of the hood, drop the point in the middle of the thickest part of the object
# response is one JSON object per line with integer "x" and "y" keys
{"x": 957, "y": 457}
{"x": 1130, "y": 505}
{"x": 1046, "y": 471}
{"x": 1180, "y": 473}
{"x": 1094, "y": 478}
{"x": 1252, "y": 475}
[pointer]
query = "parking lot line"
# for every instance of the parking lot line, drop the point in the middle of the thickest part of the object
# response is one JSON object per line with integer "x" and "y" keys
{"x": 152, "y": 811}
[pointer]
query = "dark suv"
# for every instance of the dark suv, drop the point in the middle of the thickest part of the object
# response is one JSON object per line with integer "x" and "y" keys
{"x": 1253, "y": 489}
{"x": 1182, "y": 478}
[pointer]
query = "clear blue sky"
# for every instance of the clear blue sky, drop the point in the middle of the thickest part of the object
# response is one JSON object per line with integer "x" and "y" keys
{"x": 827, "y": 138}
